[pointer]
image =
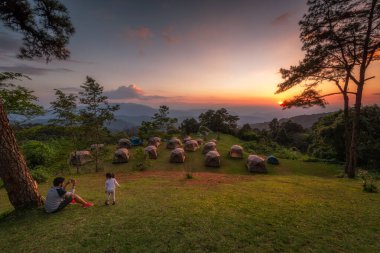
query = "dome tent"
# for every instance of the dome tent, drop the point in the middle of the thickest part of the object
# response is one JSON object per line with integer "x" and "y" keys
{"x": 191, "y": 145}
{"x": 136, "y": 141}
{"x": 187, "y": 138}
{"x": 236, "y": 151}
{"x": 209, "y": 146}
{"x": 124, "y": 143}
{"x": 200, "y": 141}
{"x": 151, "y": 151}
{"x": 272, "y": 160}
{"x": 79, "y": 158}
{"x": 156, "y": 141}
{"x": 97, "y": 146}
{"x": 177, "y": 156}
{"x": 256, "y": 164}
{"x": 212, "y": 159}
{"x": 174, "y": 143}
{"x": 121, "y": 156}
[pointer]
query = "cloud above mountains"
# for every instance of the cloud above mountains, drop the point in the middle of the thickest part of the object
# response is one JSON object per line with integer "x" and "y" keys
{"x": 125, "y": 92}
{"x": 131, "y": 91}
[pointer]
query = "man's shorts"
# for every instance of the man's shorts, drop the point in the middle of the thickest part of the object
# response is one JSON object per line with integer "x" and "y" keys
{"x": 65, "y": 202}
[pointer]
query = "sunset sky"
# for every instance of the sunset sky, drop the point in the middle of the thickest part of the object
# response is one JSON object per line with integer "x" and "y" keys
{"x": 182, "y": 53}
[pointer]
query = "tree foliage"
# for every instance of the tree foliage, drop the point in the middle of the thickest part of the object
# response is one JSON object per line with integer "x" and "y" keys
{"x": 219, "y": 121}
{"x": 161, "y": 120}
{"x": 327, "y": 139}
{"x": 17, "y": 99}
{"x": 288, "y": 133}
{"x": 96, "y": 113}
{"x": 97, "y": 109}
{"x": 44, "y": 24}
{"x": 65, "y": 109}
{"x": 189, "y": 126}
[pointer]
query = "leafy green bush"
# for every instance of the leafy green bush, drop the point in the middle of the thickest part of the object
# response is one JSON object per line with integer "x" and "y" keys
{"x": 41, "y": 133}
{"x": 40, "y": 174}
{"x": 327, "y": 138}
{"x": 249, "y": 136}
{"x": 271, "y": 148}
{"x": 37, "y": 153}
{"x": 141, "y": 158}
{"x": 368, "y": 181}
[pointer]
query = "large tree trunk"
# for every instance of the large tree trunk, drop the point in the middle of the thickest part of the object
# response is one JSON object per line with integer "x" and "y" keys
{"x": 22, "y": 189}
{"x": 347, "y": 132}
{"x": 351, "y": 170}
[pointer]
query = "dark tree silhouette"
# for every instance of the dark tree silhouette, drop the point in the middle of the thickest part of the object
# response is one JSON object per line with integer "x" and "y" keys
{"x": 340, "y": 39}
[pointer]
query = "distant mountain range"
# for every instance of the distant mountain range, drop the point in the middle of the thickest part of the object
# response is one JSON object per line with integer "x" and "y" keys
{"x": 305, "y": 121}
{"x": 130, "y": 115}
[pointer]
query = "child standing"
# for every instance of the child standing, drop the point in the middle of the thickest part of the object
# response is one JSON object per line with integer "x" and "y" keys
{"x": 111, "y": 184}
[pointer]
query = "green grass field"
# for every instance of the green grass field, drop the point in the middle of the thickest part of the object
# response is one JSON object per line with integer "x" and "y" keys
{"x": 296, "y": 207}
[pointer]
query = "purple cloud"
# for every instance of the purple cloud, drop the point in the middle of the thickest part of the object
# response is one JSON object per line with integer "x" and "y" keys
{"x": 283, "y": 18}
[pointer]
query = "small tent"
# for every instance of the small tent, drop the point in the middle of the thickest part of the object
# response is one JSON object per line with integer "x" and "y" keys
{"x": 124, "y": 143}
{"x": 151, "y": 151}
{"x": 187, "y": 138}
{"x": 200, "y": 141}
{"x": 79, "y": 158}
{"x": 174, "y": 143}
{"x": 212, "y": 159}
{"x": 209, "y": 146}
{"x": 177, "y": 156}
{"x": 213, "y": 140}
{"x": 236, "y": 151}
{"x": 121, "y": 156}
{"x": 272, "y": 160}
{"x": 256, "y": 164}
{"x": 156, "y": 141}
{"x": 191, "y": 145}
{"x": 136, "y": 141}
{"x": 96, "y": 146}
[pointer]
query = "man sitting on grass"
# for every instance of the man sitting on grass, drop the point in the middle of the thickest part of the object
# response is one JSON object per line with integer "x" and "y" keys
{"x": 58, "y": 198}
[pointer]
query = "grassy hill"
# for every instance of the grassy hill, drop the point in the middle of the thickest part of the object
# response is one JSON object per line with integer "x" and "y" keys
{"x": 296, "y": 207}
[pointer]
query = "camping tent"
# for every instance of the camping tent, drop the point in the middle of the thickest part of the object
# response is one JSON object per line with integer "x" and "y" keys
{"x": 151, "y": 151}
{"x": 200, "y": 141}
{"x": 187, "y": 138}
{"x": 136, "y": 141}
{"x": 191, "y": 145}
{"x": 174, "y": 143}
{"x": 177, "y": 156}
{"x": 79, "y": 158}
{"x": 256, "y": 164}
{"x": 212, "y": 159}
{"x": 156, "y": 141}
{"x": 96, "y": 146}
{"x": 124, "y": 143}
{"x": 209, "y": 146}
{"x": 236, "y": 151}
{"x": 272, "y": 160}
{"x": 121, "y": 156}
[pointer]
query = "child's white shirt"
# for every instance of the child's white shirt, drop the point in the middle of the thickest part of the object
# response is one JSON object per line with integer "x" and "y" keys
{"x": 111, "y": 184}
